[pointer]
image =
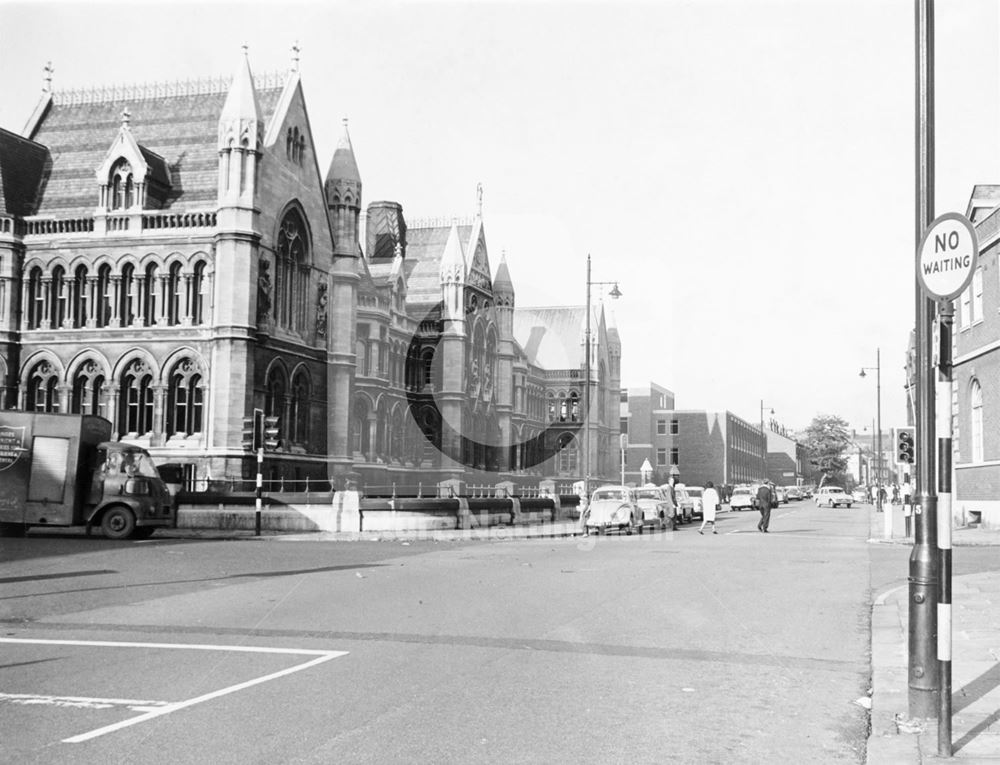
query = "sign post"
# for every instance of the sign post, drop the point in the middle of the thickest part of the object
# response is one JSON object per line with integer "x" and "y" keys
{"x": 946, "y": 262}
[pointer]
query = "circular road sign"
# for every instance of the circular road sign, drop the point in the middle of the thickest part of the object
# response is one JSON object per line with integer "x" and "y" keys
{"x": 947, "y": 256}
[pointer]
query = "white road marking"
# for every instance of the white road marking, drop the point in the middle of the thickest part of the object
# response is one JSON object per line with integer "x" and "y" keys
{"x": 85, "y": 702}
{"x": 164, "y": 708}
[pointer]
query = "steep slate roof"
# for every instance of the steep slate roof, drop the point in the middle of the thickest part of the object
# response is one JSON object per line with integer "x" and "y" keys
{"x": 182, "y": 129}
{"x": 552, "y": 337}
{"x": 424, "y": 248}
{"x": 22, "y": 164}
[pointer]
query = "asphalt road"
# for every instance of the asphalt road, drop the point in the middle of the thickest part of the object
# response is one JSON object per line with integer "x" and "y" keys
{"x": 666, "y": 647}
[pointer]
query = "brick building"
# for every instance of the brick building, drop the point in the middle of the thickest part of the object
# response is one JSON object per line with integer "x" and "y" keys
{"x": 976, "y": 391}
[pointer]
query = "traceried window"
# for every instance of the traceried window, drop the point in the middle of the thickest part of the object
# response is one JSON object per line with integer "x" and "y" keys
{"x": 102, "y": 313}
{"x": 185, "y": 400}
{"x": 80, "y": 297}
{"x": 127, "y": 296}
{"x": 976, "y": 420}
{"x": 87, "y": 385}
{"x": 43, "y": 391}
{"x": 135, "y": 399}
{"x": 292, "y": 273}
{"x": 173, "y": 295}
{"x": 198, "y": 287}
{"x": 122, "y": 186}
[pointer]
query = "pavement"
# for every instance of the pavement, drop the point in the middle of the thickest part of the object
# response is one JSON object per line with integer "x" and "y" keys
{"x": 894, "y": 738}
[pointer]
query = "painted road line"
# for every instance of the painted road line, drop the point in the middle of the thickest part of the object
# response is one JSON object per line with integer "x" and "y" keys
{"x": 320, "y": 657}
{"x": 82, "y": 702}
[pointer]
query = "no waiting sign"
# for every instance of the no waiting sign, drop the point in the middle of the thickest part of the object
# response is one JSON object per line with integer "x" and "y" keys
{"x": 947, "y": 256}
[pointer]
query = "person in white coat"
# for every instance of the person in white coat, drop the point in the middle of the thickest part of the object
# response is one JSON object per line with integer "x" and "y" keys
{"x": 709, "y": 506}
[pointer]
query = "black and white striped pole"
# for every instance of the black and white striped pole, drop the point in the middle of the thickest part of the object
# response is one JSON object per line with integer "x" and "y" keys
{"x": 947, "y": 259}
{"x": 946, "y": 316}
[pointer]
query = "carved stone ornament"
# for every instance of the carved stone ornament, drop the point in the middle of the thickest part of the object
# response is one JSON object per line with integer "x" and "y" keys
{"x": 263, "y": 291}
{"x": 321, "y": 300}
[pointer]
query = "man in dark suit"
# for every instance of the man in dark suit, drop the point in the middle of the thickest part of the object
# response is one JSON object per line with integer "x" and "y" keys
{"x": 764, "y": 499}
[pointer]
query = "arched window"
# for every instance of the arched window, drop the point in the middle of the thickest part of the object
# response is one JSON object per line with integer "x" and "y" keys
{"x": 291, "y": 256}
{"x": 427, "y": 367}
{"x": 359, "y": 428}
{"x": 36, "y": 299}
{"x": 135, "y": 399}
{"x": 127, "y": 296}
{"x": 976, "y": 420}
{"x": 185, "y": 400}
{"x": 102, "y": 314}
{"x": 149, "y": 301}
{"x": 43, "y": 392}
{"x": 173, "y": 296}
{"x": 121, "y": 185}
{"x": 300, "y": 409}
{"x": 88, "y": 382}
{"x": 198, "y": 287}
{"x": 274, "y": 397}
{"x": 567, "y": 454}
{"x": 79, "y": 297}
{"x": 57, "y": 300}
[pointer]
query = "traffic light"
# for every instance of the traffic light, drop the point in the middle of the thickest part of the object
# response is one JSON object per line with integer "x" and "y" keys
{"x": 905, "y": 445}
{"x": 272, "y": 434}
{"x": 253, "y": 431}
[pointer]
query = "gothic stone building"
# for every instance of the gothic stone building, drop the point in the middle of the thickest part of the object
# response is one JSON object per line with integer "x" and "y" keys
{"x": 171, "y": 258}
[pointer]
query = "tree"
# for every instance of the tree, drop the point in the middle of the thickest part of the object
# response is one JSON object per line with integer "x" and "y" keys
{"x": 828, "y": 439}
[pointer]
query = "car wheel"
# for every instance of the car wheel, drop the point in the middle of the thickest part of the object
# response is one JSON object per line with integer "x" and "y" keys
{"x": 118, "y": 523}
{"x": 630, "y": 526}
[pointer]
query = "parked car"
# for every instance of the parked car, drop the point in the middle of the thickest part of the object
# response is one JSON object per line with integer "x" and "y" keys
{"x": 859, "y": 495}
{"x": 794, "y": 493}
{"x": 833, "y": 496}
{"x": 781, "y": 495}
{"x": 742, "y": 498}
{"x": 685, "y": 505}
{"x": 612, "y": 507}
{"x": 655, "y": 508}
{"x": 695, "y": 493}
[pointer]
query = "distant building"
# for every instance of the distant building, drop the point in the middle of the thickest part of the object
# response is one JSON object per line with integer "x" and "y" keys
{"x": 787, "y": 459}
{"x": 647, "y": 424}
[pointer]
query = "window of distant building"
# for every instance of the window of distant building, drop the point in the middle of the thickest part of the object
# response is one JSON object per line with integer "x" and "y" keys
{"x": 977, "y": 296}
{"x": 675, "y": 427}
{"x": 675, "y": 456}
{"x": 965, "y": 308}
{"x": 976, "y": 420}
{"x": 624, "y": 397}
{"x": 661, "y": 427}
{"x": 623, "y": 425}
{"x": 661, "y": 457}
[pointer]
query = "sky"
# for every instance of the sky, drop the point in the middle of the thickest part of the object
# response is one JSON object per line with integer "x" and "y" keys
{"x": 743, "y": 169}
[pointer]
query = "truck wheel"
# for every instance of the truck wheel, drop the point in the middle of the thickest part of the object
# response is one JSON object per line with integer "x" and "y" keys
{"x": 13, "y": 529}
{"x": 118, "y": 523}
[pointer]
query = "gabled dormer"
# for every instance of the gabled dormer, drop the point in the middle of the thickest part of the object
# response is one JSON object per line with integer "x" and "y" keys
{"x": 131, "y": 177}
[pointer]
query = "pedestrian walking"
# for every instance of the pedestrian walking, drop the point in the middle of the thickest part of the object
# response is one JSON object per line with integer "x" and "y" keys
{"x": 765, "y": 501}
{"x": 709, "y": 506}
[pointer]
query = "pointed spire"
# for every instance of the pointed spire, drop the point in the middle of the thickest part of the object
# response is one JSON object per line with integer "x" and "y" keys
{"x": 343, "y": 166}
{"x": 502, "y": 284}
{"x": 296, "y": 50}
{"x": 241, "y": 101}
{"x": 126, "y": 118}
{"x": 479, "y": 200}
{"x": 452, "y": 259}
{"x": 47, "y": 88}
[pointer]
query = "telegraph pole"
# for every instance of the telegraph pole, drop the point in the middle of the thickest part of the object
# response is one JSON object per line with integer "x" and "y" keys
{"x": 923, "y": 574}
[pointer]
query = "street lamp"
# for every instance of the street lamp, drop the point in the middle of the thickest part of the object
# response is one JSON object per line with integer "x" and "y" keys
{"x": 763, "y": 459}
{"x": 878, "y": 416}
{"x": 615, "y": 294}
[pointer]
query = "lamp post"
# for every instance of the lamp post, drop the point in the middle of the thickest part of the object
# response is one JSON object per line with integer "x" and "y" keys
{"x": 763, "y": 458}
{"x": 878, "y": 431}
{"x": 615, "y": 293}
